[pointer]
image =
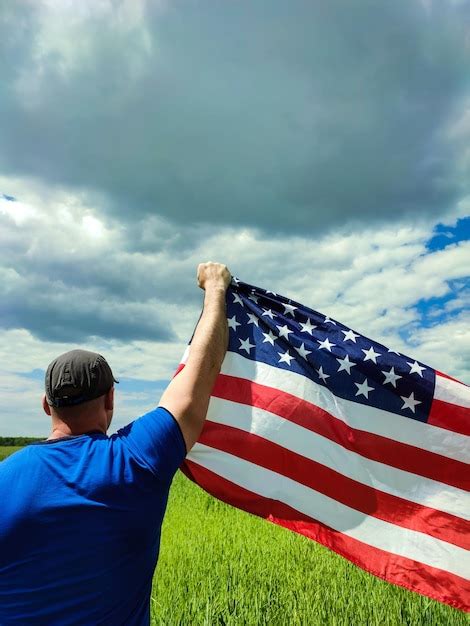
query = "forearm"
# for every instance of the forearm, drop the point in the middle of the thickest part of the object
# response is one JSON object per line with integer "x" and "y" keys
{"x": 187, "y": 396}
{"x": 209, "y": 343}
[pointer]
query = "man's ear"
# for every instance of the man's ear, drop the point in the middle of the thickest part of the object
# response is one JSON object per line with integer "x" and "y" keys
{"x": 109, "y": 400}
{"x": 45, "y": 406}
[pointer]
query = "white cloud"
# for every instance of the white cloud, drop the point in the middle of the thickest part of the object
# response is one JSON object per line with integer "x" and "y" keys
{"x": 21, "y": 413}
{"x": 17, "y": 212}
{"x": 445, "y": 346}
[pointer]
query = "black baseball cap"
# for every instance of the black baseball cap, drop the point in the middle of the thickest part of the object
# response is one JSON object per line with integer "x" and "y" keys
{"x": 77, "y": 376}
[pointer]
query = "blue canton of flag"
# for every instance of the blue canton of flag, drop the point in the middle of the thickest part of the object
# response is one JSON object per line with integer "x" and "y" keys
{"x": 280, "y": 332}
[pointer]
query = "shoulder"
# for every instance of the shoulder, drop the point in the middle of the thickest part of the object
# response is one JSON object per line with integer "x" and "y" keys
{"x": 16, "y": 458}
{"x": 156, "y": 439}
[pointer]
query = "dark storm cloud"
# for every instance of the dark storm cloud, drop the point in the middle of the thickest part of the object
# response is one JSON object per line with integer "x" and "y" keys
{"x": 64, "y": 315}
{"x": 71, "y": 304}
{"x": 64, "y": 281}
{"x": 282, "y": 115}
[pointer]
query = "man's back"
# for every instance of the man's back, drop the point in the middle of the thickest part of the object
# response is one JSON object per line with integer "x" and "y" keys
{"x": 80, "y": 524}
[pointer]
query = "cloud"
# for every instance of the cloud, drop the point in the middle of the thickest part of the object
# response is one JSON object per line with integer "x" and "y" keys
{"x": 54, "y": 311}
{"x": 446, "y": 345}
{"x": 26, "y": 390}
{"x": 65, "y": 283}
{"x": 52, "y": 277}
{"x": 15, "y": 391}
{"x": 285, "y": 118}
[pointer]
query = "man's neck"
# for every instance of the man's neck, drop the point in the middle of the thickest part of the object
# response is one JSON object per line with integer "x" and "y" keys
{"x": 65, "y": 431}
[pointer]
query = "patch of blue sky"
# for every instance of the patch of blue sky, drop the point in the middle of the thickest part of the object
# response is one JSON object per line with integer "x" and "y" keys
{"x": 438, "y": 310}
{"x": 445, "y": 235}
{"x": 140, "y": 385}
{"x": 138, "y": 395}
{"x": 36, "y": 374}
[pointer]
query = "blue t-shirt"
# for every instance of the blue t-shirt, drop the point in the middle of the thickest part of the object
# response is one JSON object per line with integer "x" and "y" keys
{"x": 80, "y": 521}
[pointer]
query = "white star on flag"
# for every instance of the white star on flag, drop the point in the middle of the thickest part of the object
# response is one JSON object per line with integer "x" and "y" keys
{"x": 346, "y": 364}
{"x": 232, "y": 322}
{"x": 289, "y": 309}
{"x": 253, "y": 298}
{"x": 327, "y": 319}
{"x": 269, "y": 337}
{"x": 371, "y": 355}
{"x": 284, "y": 331}
{"x": 325, "y": 344}
{"x": 363, "y": 389}
{"x": 285, "y": 357}
{"x": 252, "y": 319}
{"x": 237, "y": 299}
{"x": 268, "y": 313}
{"x": 391, "y": 377}
{"x": 307, "y": 327}
{"x": 350, "y": 335}
{"x": 303, "y": 352}
{"x": 410, "y": 402}
{"x": 322, "y": 374}
{"x": 416, "y": 368}
{"x": 246, "y": 345}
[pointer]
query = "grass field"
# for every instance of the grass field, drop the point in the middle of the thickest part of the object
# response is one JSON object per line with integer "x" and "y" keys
{"x": 220, "y": 566}
{"x": 7, "y": 450}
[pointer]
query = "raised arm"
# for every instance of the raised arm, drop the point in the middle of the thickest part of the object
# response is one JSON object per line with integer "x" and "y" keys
{"x": 187, "y": 396}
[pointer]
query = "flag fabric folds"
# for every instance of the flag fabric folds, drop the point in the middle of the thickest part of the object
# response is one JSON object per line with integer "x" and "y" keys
{"x": 330, "y": 434}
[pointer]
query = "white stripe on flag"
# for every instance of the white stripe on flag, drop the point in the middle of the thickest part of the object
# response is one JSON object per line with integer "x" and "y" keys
{"x": 321, "y": 449}
{"x": 359, "y": 416}
{"x": 451, "y": 391}
{"x": 370, "y": 530}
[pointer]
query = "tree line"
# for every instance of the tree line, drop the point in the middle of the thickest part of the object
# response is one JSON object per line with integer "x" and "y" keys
{"x": 18, "y": 441}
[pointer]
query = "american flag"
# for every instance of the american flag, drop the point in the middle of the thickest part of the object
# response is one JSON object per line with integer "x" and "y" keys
{"x": 321, "y": 430}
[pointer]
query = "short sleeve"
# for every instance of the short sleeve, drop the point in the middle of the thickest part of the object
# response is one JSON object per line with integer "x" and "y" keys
{"x": 156, "y": 439}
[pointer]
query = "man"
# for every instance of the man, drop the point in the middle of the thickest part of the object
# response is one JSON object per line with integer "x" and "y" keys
{"x": 81, "y": 512}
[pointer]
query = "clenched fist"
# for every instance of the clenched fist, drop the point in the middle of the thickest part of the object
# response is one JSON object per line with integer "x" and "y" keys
{"x": 213, "y": 275}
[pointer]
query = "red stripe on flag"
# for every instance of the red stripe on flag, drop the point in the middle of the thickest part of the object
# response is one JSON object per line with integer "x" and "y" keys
{"x": 376, "y": 447}
{"x": 449, "y": 377}
{"x": 413, "y": 575}
{"x": 331, "y": 483}
{"x": 450, "y": 416}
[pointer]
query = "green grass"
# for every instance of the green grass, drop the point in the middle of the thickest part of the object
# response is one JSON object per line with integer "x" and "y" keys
{"x": 7, "y": 450}
{"x": 221, "y": 566}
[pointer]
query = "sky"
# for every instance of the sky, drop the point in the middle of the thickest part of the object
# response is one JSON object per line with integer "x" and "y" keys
{"x": 320, "y": 149}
